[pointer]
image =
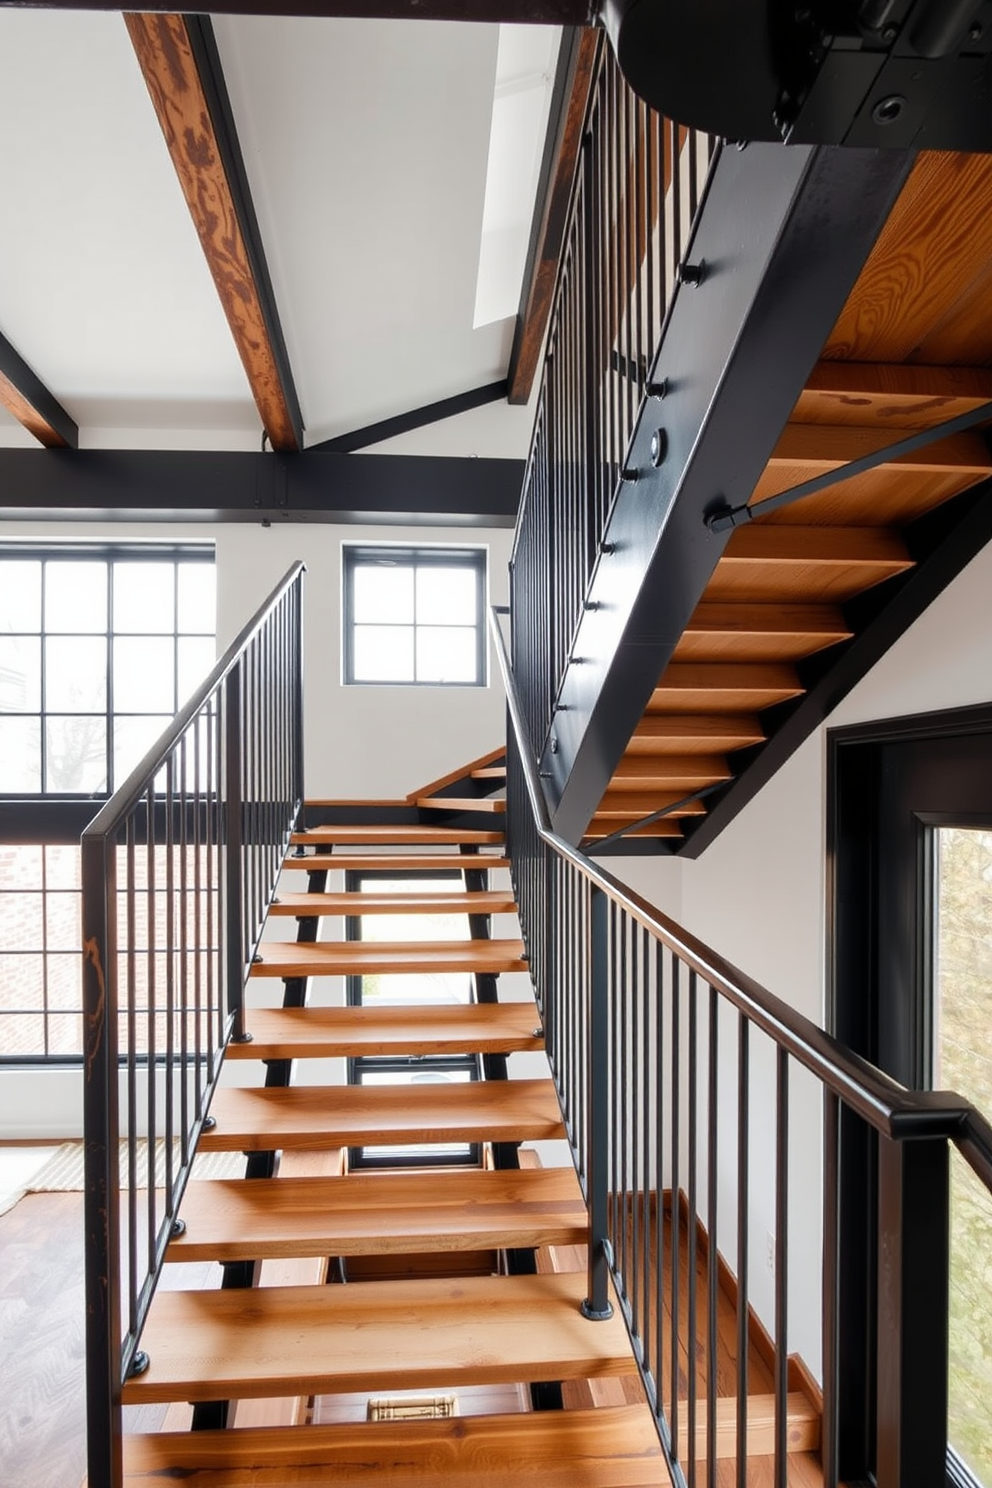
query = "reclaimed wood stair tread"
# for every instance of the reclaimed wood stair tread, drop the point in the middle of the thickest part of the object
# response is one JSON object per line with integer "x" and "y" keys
{"x": 379, "y": 1335}
{"x": 409, "y": 836}
{"x": 318, "y": 1032}
{"x": 395, "y": 862}
{"x": 362, "y": 957}
{"x": 616, "y": 1447}
{"x": 494, "y": 804}
{"x": 379, "y": 1214}
{"x": 268, "y": 1118}
{"x": 483, "y": 902}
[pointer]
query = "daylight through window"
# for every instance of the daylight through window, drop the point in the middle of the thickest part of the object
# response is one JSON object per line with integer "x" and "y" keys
{"x": 415, "y": 616}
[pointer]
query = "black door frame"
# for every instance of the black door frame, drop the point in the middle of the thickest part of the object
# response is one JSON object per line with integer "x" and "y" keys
{"x": 877, "y": 949}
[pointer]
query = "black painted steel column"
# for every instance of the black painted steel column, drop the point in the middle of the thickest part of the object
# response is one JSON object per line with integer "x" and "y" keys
{"x": 597, "y": 1305}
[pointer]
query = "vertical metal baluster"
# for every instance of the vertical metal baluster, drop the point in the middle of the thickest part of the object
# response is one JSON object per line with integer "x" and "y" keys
{"x": 659, "y": 1274}
{"x": 781, "y": 1268}
{"x": 170, "y": 981}
{"x": 831, "y": 1286}
{"x": 635, "y": 1126}
{"x": 743, "y": 1194}
{"x": 151, "y": 1014}
{"x": 712, "y": 1253}
{"x": 615, "y": 1089}
{"x": 132, "y": 1084}
{"x": 678, "y": 245}
{"x": 623, "y": 1106}
{"x": 692, "y": 1222}
{"x": 676, "y": 1244}
{"x": 597, "y": 1305}
{"x": 230, "y": 864}
{"x": 649, "y": 1189}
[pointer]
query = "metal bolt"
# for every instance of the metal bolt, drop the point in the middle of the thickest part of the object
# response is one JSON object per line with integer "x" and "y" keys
{"x": 554, "y": 744}
{"x": 544, "y": 774}
{"x": 178, "y": 1228}
{"x": 657, "y": 389}
{"x": 889, "y": 34}
{"x": 692, "y": 274}
{"x": 138, "y": 1364}
{"x": 256, "y": 960}
{"x": 537, "y": 1033}
{"x": 590, "y": 604}
{"x": 889, "y": 109}
{"x": 629, "y": 475}
{"x": 659, "y": 447}
{"x": 606, "y": 548}
{"x": 209, "y": 1122}
{"x": 975, "y": 31}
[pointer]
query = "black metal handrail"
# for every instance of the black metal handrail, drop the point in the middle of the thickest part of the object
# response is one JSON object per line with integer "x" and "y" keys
{"x": 641, "y": 1021}
{"x": 178, "y": 871}
{"x": 639, "y": 182}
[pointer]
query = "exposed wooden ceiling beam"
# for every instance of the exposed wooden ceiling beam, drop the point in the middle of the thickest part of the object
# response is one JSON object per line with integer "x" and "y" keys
{"x": 181, "y": 67}
{"x": 573, "y": 81}
{"x": 24, "y": 395}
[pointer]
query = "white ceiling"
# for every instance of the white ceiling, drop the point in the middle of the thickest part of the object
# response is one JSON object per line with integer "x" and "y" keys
{"x": 365, "y": 145}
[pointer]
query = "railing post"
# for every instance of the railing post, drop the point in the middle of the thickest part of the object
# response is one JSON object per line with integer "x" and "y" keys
{"x": 913, "y": 1258}
{"x": 234, "y": 950}
{"x": 298, "y": 750}
{"x": 102, "y": 1159}
{"x": 597, "y": 1304}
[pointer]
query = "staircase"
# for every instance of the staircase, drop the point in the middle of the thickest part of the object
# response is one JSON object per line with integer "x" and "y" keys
{"x": 442, "y": 1281}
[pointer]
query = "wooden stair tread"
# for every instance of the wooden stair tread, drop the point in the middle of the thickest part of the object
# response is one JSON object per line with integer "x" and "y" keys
{"x": 632, "y": 802}
{"x": 725, "y": 686}
{"x": 379, "y": 1214}
{"x": 605, "y": 826}
{"x": 495, "y": 804}
{"x": 689, "y": 732}
{"x": 361, "y": 957}
{"x": 383, "y": 1335}
{"x": 260, "y": 1119}
{"x": 486, "y": 902}
{"x": 490, "y": 772}
{"x": 411, "y": 836}
{"x": 327, "y": 1032}
{"x": 764, "y": 563}
{"x": 896, "y": 396}
{"x": 395, "y": 862}
{"x": 615, "y": 1447}
{"x": 760, "y": 632}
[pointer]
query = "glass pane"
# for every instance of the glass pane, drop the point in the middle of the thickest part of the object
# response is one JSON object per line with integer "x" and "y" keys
{"x": 133, "y": 737}
{"x": 65, "y": 985}
{"x": 75, "y": 674}
{"x": 144, "y": 597}
{"x": 62, "y": 922}
{"x": 21, "y": 867}
{"x": 76, "y": 754}
{"x": 22, "y": 1037}
{"x": 20, "y": 754}
{"x": 65, "y": 1034}
{"x": 197, "y": 655}
{"x": 22, "y": 982}
{"x": 75, "y": 596}
{"x": 62, "y": 867}
{"x": 383, "y": 653}
{"x": 20, "y": 674}
{"x": 144, "y": 675}
{"x": 20, "y": 594}
{"x": 446, "y": 654}
{"x": 21, "y": 927}
{"x": 446, "y": 596}
{"x": 963, "y": 1062}
{"x": 383, "y": 594}
{"x": 197, "y": 598}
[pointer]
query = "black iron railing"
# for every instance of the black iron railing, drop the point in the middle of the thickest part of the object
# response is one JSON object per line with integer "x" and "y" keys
{"x": 178, "y": 870}
{"x": 638, "y": 185}
{"x": 679, "y": 1080}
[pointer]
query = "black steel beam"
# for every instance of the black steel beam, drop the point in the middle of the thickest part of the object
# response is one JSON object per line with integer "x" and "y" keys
{"x": 538, "y": 12}
{"x": 236, "y": 486}
{"x": 943, "y": 543}
{"x": 31, "y": 402}
{"x": 417, "y": 418}
{"x": 780, "y": 239}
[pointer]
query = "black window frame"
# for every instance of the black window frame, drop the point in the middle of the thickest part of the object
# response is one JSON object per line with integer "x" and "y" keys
{"x": 363, "y": 555}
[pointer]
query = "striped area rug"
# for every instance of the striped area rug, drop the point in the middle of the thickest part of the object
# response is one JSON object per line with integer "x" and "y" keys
{"x": 64, "y": 1171}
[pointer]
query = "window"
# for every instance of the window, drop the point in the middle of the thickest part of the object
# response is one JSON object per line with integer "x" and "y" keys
{"x": 414, "y": 616}
{"x": 98, "y": 648}
{"x": 411, "y": 989}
